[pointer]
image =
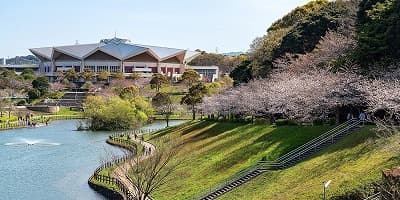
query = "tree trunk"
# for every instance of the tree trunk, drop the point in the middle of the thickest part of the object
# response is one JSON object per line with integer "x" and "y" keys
{"x": 193, "y": 112}
{"x": 167, "y": 119}
{"x": 337, "y": 114}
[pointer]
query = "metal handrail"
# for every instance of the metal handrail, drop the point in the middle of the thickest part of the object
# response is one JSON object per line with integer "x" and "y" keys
{"x": 265, "y": 165}
{"x": 375, "y": 196}
{"x": 320, "y": 142}
{"x": 322, "y": 136}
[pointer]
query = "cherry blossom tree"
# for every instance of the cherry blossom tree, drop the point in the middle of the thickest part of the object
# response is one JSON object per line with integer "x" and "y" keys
{"x": 384, "y": 104}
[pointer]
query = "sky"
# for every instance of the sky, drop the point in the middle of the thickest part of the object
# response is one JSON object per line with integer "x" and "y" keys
{"x": 210, "y": 25}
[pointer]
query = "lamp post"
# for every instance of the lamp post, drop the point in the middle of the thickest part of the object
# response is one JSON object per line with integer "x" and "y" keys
{"x": 325, "y": 185}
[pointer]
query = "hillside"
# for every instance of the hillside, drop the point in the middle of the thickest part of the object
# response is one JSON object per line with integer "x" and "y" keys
{"x": 23, "y": 60}
{"x": 352, "y": 164}
{"x": 213, "y": 151}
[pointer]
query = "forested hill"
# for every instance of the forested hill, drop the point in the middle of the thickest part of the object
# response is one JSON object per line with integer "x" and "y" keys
{"x": 373, "y": 24}
{"x": 23, "y": 60}
{"x": 299, "y": 32}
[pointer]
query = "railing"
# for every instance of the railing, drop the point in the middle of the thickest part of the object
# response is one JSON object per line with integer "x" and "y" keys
{"x": 133, "y": 132}
{"x": 24, "y": 123}
{"x": 322, "y": 136}
{"x": 12, "y": 125}
{"x": 122, "y": 189}
{"x": 269, "y": 165}
{"x": 129, "y": 145}
{"x": 320, "y": 142}
{"x": 373, "y": 197}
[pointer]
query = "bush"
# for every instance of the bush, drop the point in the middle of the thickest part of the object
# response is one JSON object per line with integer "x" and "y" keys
{"x": 285, "y": 122}
{"x": 33, "y": 94}
{"x": 318, "y": 122}
{"x": 42, "y": 84}
{"x": 282, "y": 122}
{"x": 332, "y": 121}
{"x": 262, "y": 121}
{"x": 55, "y": 95}
{"x": 359, "y": 193}
{"x": 21, "y": 102}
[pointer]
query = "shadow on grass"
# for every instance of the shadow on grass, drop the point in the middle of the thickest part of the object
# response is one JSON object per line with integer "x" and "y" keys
{"x": 272, "y": 144}
{"x": 172, "y": 130}
{"x": 347, "y": 146}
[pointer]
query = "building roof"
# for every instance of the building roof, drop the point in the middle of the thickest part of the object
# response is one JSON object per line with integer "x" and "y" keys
{"x": 116, "y": 47}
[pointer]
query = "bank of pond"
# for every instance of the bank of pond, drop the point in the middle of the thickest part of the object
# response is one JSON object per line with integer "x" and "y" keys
{"x": 54, "y": 161}
{"x": 63, "y": 160}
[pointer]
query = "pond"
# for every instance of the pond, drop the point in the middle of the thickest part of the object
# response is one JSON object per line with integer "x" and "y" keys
{"x": 53, "y": 162}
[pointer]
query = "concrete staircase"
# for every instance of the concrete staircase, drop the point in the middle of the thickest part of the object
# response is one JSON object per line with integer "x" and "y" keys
{"x": 295, "y": 156}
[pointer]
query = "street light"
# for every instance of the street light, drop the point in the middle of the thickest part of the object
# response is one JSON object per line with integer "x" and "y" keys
{"x": 326, "y": 184}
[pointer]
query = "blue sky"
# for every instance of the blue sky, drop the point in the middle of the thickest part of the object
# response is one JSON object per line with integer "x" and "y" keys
{"x": 229, "y": 25}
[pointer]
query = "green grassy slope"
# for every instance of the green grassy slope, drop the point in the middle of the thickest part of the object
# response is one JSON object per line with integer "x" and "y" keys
{"x": 351, "y": 163}
{"x": 214, "y": 151}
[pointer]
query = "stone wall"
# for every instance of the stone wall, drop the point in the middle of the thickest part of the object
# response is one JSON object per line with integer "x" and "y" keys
{"x": 110, "y": 194}
{"x": 45, "y": 109}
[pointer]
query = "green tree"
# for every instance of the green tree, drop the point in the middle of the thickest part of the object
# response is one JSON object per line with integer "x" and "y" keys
{"x": 134, "y": 76}
{"x": 119, "y": 76}
{"x": 103, "y": 75}
{"x": 128, "y": 92}
{"x": 190, "y": 77}
{"x": 28, "y": 74}
{"x": 242, "y": 73}
{"x": 112, "y": 113}
{"x": 87, "y": 74}
{"x": 163, "y": 103}
{"x": 158, "y": 81}
{"x": 194, "y": 97}
{"x": 378, "y": 30}
{"x": 33, "y": 94}
{"x": 41, "y": 84}
{"x": 71, "y": 75}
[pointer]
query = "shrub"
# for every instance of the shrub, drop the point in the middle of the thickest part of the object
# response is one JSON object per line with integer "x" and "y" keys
{"x": 332, "y": 121}
{"x": 42, "y": 84}
{"x": 55, "y": 95}
{"x": 359, "y": 193}
{"x": 262, "y": 121}
{"x": 285, "y": 122}
{"x": 318, "y": 122}
{"x": 21, "y": 102}
{"x": 282, "y": 122}
{"x": 33, "y": 94}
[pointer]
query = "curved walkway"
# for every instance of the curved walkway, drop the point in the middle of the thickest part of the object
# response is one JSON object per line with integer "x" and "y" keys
{"x": 120, "y": 172}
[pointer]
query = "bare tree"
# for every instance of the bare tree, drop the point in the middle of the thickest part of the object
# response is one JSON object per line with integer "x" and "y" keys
{"x": 147, "y": 171}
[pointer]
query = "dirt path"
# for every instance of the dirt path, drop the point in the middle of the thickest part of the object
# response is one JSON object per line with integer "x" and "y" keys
{"x": 119, "y": 172}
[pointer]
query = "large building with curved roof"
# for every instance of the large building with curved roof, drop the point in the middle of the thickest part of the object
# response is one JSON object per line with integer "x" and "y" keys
{"x": 114, "y": 55}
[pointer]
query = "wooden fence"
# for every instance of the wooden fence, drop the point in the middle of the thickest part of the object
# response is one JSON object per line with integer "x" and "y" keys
{"x": 23, "y": 123}
{"x": 119, "y": 139}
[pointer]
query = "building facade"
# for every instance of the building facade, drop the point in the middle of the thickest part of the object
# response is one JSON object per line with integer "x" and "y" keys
{"x": 114, "y": 55}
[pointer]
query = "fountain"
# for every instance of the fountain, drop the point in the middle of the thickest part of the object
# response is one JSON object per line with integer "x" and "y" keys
{"x": 30, "y": 142}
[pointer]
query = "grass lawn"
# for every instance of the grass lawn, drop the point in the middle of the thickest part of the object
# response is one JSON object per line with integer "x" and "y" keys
{"x": 213, "y": 151}
{"x": 66, "y": 111}
{"x": 351, "y": 163}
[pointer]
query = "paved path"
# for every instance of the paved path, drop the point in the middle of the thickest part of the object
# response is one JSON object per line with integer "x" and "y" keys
{"x": 119, "y": 172}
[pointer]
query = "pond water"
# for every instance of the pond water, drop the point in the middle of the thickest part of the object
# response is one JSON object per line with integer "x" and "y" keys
{"x": 53, "y": 162}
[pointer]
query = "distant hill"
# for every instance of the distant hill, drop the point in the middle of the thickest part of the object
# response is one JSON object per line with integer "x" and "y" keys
{"x": 237, "y": 53}
{"x": 23, "y": 60}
